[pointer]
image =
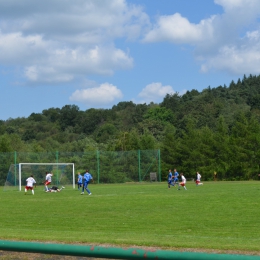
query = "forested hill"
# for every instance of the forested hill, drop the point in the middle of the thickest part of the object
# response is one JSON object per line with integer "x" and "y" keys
{"x": 217, "y": 129}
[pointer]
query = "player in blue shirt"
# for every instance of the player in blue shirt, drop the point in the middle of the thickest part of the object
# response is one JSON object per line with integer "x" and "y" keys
{"x": 79, "y": 180}
{"x": 170, "y": 179}
{"x": 87, "y": 178}
{"x": 175, "y": 177}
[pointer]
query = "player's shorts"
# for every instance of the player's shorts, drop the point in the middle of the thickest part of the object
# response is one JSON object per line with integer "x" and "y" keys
{"x": 182, "y": 184}
{"x": 175, "y": 180}
{"x": 47, "y": 182}
{"x": 169, "y": 181}
{"x": 86, "y": 183}
{"x": 197, "y": 182}
{"x": 28, "y": 188}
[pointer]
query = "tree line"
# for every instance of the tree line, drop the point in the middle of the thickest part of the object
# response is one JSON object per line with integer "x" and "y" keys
{"x": 215, "y": 130}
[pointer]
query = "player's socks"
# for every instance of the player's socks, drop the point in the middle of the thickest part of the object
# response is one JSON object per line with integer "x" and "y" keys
{"x": 32, "y": 192}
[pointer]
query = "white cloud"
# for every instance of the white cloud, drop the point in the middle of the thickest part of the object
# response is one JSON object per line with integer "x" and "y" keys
{"x": 225, "y": 41}
{"x": 103, "y": 95}
{"x": 154, "y": 92}
{"x": 64, "y": 18}
{"x": 46, "y": 61}
{"x": 242, "y": 59}
{"x": 21, "y": 50}
{"x": 231, "y": 5}
{"x": 178, "y": 29}
{"x": 61, "y": 40}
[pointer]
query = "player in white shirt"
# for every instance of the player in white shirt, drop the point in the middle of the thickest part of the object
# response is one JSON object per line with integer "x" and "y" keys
{"x": 198, "y": 179}
{"x": 47, "y": 180}
{"x": 29, "y": 186}
{"x": 183, "y": 182}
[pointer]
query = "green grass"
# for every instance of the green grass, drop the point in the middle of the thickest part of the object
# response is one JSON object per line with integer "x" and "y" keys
{"x": 217, "y": 215}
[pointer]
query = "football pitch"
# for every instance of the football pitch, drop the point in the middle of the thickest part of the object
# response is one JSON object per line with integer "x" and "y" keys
{"x": 216, "y": 215}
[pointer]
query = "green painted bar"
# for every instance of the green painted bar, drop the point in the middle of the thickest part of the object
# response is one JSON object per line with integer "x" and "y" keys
{"x": 113, "y": 252}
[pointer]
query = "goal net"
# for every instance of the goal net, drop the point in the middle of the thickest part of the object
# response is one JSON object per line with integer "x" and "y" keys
{"x": 63, "y": 174}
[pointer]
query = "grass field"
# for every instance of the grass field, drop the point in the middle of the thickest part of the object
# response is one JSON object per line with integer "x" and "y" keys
{"x": 216, "y": 215}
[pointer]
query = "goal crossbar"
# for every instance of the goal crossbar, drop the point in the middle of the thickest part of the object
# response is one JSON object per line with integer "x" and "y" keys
{"x": 20, "y": 171}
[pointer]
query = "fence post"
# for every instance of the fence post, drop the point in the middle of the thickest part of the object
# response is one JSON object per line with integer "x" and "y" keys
{"x": 139, "y": 165}
{"x": 98, "y": 167}
{"x": 15, "y": 160}
{"x": 57, "y": 161}
{"x": 159, "y": 164}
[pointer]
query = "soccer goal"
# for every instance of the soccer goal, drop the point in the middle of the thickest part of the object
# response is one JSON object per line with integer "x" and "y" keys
{"x": 63, "y": 174}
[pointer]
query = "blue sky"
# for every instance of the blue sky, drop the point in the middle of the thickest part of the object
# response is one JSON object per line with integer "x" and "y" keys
{"x": 96, "y": 53}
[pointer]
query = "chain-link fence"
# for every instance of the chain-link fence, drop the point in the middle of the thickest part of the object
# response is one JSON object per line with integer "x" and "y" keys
{"x": 105, "y": 166}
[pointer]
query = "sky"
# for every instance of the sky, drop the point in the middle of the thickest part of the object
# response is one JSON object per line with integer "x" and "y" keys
{"x": 97, "y": 53}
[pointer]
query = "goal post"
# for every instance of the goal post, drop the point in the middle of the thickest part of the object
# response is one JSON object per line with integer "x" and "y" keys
{"x": 55, "y": 165}
{"x": 63, "y": 173}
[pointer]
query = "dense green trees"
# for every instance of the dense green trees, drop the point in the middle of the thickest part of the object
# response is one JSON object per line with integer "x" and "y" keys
{"x": 217, "y": 129}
